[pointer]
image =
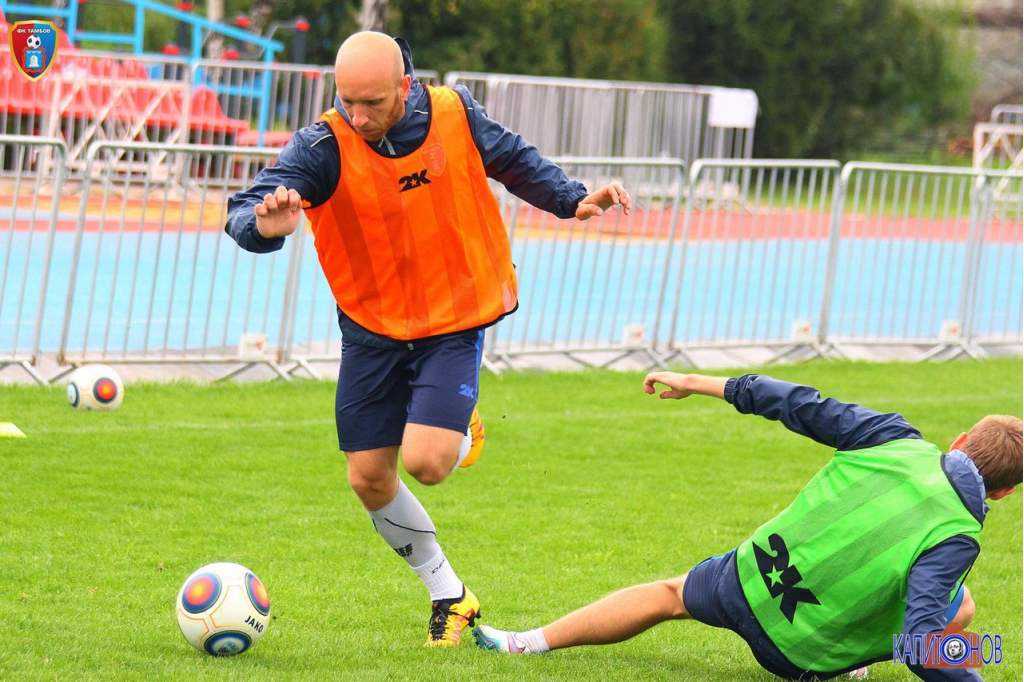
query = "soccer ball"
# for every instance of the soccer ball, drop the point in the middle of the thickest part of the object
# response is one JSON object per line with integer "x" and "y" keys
{"x": 223, "y": 609}
{"x": 95, "y": 387}
{"x": 33, "y": 42}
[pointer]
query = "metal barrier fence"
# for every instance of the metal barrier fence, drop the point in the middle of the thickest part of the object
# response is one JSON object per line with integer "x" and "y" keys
{"x": 750, "y": 267}
{"x": 924, "y": 255}
{"x": 267, "y": 103}
{"x": 1008, "y": 113}
{"x": 29, "y": 211}
{"x": 993, "y": 305}
{"x": 999, "y": 146}
{"x": 315, "y": 336}
{"x": 94, "y": 97}
{"x": 153, "y": 276}
{"x": 593, "y": 286}
{"x": 90, "y": 96}
{"x": 597, "y": 118}
{"x": 135, "y": 268}
{"x": 566, "y": 271}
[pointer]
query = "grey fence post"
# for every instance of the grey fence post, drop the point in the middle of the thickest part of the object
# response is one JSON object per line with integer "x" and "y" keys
{"x": 835, "y": 233}
{"x": 166, "y": 285}
{"x": 591, "y": 293}
{"x": 753, "y": 252}
{"x": 910, "y": 266}
{"x": 30, "y": 168}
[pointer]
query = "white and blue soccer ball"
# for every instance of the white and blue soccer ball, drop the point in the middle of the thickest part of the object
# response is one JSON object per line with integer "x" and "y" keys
{"x": 95, "y": 387}
{"x": 223, "y": 609}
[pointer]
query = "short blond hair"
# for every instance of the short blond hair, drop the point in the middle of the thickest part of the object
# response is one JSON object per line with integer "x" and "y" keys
{"x": 995, "y": 445}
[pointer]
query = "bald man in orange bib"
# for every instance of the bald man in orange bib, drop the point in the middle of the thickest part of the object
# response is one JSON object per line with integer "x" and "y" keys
{"x": 393, "y": 180}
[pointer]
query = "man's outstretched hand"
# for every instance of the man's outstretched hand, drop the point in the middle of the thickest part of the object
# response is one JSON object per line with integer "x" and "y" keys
{"x": 596, "y": 203}
{"x": 279, "y": 214}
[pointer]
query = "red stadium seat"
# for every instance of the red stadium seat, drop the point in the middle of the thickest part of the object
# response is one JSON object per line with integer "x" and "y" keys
{"x": 207, "y": 116}
{"x": 271, "y": 138}
{"x": 105, "y": 67}
{"x": 134, "y": 69}
{"x": 5, "y": 79}
{"x": 168, "y": 107}
{"x": 63, "y": 41}
{"x": 94, "y": 99}
{"x": 22, "y": 96}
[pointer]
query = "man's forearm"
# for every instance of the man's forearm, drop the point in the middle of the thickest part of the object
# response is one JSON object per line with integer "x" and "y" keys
{"x": 700, "y": 384}
{"x": 683, "y": 385}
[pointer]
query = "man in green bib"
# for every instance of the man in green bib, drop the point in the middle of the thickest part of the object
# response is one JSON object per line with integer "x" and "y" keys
{"x": 910, "y": 514}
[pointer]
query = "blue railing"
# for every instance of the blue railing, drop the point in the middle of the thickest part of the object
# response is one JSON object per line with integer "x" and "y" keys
{"x": 258, "y": 87}
{"x": 198, "y": 25}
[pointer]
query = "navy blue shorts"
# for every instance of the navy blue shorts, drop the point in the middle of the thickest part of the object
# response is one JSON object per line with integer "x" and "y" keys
{"x": 712, "y": 594}
{"x": 380, "y": 390}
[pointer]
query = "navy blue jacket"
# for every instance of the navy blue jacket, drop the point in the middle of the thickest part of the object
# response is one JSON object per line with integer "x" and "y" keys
{"x": 311, "y": 165}
{"x": 845, "y": 426}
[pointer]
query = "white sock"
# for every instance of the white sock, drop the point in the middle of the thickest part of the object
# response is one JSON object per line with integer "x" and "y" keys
{"x": 534, "y": 641}
{"x": 406, "y": 527}
{"x": 464, "y": 446}
{"x": 439, "y": 577}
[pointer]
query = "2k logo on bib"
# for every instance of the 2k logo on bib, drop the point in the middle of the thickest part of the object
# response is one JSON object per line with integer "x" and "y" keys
{"x": 33, "y": 46}
{"x": 781, "y": 578}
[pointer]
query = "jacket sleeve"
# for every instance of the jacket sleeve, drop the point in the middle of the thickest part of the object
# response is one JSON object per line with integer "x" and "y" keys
{"x": 933, "y": 577}
{"x": 801, "y": 409}
{"x": 519, "y": 166}
{"x": 310, "y": 164}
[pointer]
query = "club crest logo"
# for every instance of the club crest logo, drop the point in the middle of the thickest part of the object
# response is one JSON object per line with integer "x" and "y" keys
{"x": 33, "y": 46}
{"x": 433, "y": 159}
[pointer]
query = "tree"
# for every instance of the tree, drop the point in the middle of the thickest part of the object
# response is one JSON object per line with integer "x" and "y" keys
{"x": 616, "y": 39}
{"x": 829, "y": 74}
{"x": 215, "y": 44}
{"x": 374, "y": 15}
{"x": 622, "y": 39}
{"x": 331, "y": 21}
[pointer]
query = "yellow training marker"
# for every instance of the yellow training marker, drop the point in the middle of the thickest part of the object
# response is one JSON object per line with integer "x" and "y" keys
{"x": 9, "y": 429}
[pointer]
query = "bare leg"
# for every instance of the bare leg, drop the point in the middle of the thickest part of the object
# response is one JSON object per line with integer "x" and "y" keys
{"x": 429, "y": 452}
{"x": 619, "y": 616}
{"x": 373, "y": 475}
{"x": 400, "y": 519}
{"x": 965, "y": 615}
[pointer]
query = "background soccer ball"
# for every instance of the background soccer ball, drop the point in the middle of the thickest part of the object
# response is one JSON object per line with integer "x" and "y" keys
{"x": 223, "y": 609}
{"x": 33, "y": 42}
{"x": 95, "y": 387}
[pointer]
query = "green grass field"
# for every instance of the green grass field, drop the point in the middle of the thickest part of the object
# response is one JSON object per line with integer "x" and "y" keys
{"x": 586, "y": 485}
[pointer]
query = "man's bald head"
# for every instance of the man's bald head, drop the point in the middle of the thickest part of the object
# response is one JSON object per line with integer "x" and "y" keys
{"x": 370, "y": 50}
{"x": 372, "y": 84}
